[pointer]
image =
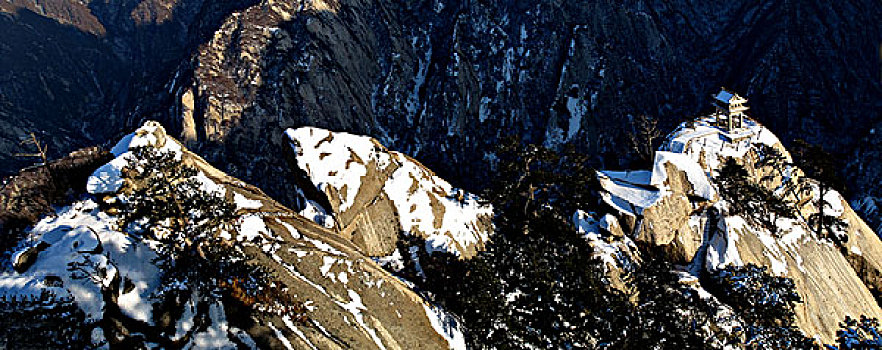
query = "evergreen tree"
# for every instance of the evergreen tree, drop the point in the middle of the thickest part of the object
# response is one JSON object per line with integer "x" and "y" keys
{"x": 765, "y": 302}
{"x": 168, "y": 204}
{"x": 763, "y": 298}
{"x": 531, "y": 176}
{"x": 820, "y": 165}
{"x": 537, "y": 284}
{"x": 858, "y": 334}
{"x": 773, "y": 159}
{"x": 669, "y": 314}
{"x": 749, "y": 199}
{"x": 443, "y": 271}
{"x": 541, "y": 289}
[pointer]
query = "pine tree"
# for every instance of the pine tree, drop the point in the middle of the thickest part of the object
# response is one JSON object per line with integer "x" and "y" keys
{"x": 668, "y": 314}
{"x": 749, "y": 199}
{"x": 765, "y": 302}
{"x": 537, "y": 284}
{"x": 769, "y": 157}
{"x": 542, "y": 289}
{"x": 530, "y": 176}
{"x": 858, "y": 334}
{"x": 821, "y": 166}
{"x": 168, "y": 204}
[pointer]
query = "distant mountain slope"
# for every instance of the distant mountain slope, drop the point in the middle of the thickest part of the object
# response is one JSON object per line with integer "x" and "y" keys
{"x": 455, "y": 77}
{"x": 430, "y": 75}
{"x": 74, "y": 72}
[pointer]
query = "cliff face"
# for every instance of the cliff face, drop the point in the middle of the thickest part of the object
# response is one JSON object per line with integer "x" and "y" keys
{"x": 445, "y": 75}
{"x": 76, "y": 71}
{"x": 428, "y": 76}
{"x": 677, "y": 209}
{"x": 869, "y": 199}
{"x": 456, "y": 76}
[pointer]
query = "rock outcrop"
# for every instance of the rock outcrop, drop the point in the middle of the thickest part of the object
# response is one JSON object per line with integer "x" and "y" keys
{"x": 677, "y": 211}
{"x": 350, "y": 301}
{"x": 375, "y": 193}
{"x": 31, "y": 194}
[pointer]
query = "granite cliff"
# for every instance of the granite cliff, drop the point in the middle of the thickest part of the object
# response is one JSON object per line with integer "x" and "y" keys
{"x": 446, "y": 75}
{"x": 677, "y": 209}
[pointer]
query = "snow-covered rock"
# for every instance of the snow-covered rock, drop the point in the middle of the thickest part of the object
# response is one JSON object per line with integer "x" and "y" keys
{"x": 669, "y": 165}
{"x": 90, "y": 256}
{"x": 676, "y": 206}
{"x": 108, "y": 178}
{"x": 655, "y": 205}
{"x": 618, "y": 253}
{"x": 350, "y": 300}
{"x": 374, "y": 193}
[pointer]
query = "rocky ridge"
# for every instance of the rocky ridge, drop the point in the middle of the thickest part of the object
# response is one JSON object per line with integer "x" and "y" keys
{"x": 438, "y": 74}
{"x": 674, "y": 209}
{"x": 356, "y": 196}
{"x": 375, "y": 193}
{"x": 351, "y": 301}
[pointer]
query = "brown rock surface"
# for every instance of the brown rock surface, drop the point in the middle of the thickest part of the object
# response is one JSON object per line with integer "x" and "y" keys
{"x": 833, "y": 282}
{"x": 374, "y": 194}
{"x": 31, "y": 194}
{"x": 352, "y": 302}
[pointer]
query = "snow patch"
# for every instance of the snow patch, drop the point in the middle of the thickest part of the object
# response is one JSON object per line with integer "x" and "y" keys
{"x": 108, "y": 178}
{"x": 316, "y": 213}
{"x": 722, "y": 250}
{"x": 280, "y": 336}
{"x": 627, "y": 197}
{"x": 243, "y": 202}
{"x": 446, "y": 326}
{"x": 336, "y": 160}
{"x": 709, "y": 145}
{"x": 832, "y": 203}
{"x": 395, "y": 261}
{"x": 698, "y": 178}
{"x": 291, "y": 326}
{"x": 631, "y": 176}
{"x": 419, "y": 196}
{"x": 613, "y": 252}
{"x": 355, "y": 307}
{"x": 83, "y": 235}
{"x": 252, "y": 229}
{"x": 484, "y": 110}
{"x": 577, "y": 111}
{"x": 215, "y": 337}
{"x": 29, "y": 287}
